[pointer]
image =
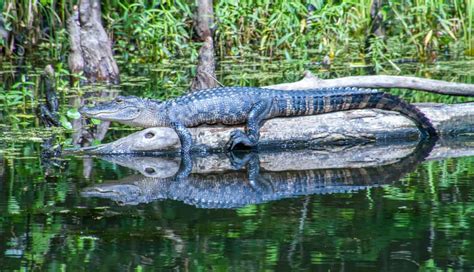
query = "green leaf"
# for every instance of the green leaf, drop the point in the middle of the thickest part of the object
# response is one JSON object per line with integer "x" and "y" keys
{"x": 73, "y": 114}
{"x": 64, "y": 122}
{"x": 95, "y": 121}
{"x": 95, "y": 142}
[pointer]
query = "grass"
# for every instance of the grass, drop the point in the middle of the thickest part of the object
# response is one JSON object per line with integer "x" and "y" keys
{"x": 146, "y": 31}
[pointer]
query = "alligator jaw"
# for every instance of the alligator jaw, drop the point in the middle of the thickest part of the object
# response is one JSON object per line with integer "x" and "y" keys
{"x": 124, "y": 194}
{"x": 112, "y": 115}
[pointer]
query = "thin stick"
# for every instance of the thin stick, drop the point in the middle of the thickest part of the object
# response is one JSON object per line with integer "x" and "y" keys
{"x": 380, "y": 81}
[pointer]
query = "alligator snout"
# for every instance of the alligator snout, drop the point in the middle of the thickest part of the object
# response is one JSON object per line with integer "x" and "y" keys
{"x": 82, "y": 110}
{"x": 87, "y": 111}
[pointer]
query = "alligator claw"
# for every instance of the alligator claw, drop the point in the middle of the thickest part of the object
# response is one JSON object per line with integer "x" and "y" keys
{"x": 239, "y": 137}
{"x": 238, "y": 160}
{"x": 236, "y": 133}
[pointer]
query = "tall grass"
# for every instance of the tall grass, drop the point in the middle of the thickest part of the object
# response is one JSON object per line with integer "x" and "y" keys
{"x": 157, "y": 30}
{"x": 151, "y": 29}
{"x": 37, "y": 24}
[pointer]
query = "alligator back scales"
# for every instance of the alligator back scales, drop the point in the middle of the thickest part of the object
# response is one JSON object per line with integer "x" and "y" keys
{"x": 233, "y": 105}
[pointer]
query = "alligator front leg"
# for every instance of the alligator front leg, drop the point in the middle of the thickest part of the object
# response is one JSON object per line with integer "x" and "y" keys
{"x": 256, "y": 116}
{"x": 251, "y": 160}
{"x": 184, "y": 137}
{"x": 186, "y": 144}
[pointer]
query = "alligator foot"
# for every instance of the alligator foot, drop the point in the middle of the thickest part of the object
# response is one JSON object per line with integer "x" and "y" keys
{"x": 239, "y": 137}
{"x": 251, "y": 161}
{"x": 239, "y": 159}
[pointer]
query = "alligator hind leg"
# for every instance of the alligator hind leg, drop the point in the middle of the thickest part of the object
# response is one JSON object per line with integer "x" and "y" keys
{"x": 256, "y": 116}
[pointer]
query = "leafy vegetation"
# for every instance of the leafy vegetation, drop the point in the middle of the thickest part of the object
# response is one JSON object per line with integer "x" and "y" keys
{"x": 423, "y": 222}
{"x": 157, "y": 30}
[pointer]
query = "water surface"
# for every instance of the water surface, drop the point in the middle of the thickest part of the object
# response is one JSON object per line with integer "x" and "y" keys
{"x": 421, "y": 219}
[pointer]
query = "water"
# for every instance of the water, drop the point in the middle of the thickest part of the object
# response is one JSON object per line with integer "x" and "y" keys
{"x": 403, "y": 214}
{"x": 423, "y": 220}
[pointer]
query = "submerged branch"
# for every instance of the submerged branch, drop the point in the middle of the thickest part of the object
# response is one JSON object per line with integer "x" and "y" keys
{"x": 380, "y": 81}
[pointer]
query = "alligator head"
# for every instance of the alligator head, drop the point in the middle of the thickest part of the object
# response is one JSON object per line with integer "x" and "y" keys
{"x": 124, "y": 194}
{"x": 131, "y": 190}
{"x": 129, "y": 110}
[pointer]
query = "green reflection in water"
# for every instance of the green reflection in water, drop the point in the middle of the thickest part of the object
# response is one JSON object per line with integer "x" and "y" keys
{"x": 424, "y": 221}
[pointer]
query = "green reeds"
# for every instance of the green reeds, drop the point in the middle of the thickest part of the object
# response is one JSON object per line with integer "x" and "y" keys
{"x": 156, "y": 30}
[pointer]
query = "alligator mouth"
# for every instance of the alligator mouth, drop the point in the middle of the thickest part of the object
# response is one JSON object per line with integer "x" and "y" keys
{"x": 123, "y": 195}
{"x": 100, "y": 192}
{"x": 110, "y": 114}
{"x": 110, "y": 191}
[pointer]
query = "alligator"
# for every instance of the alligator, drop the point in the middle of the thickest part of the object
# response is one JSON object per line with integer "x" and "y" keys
{"x": 252, "y": 106}
{"x": 232, "y": 189}
{"x": 237, "y": 188}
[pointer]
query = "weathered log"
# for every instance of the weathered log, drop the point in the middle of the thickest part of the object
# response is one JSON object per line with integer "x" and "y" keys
{"x": 91, "y": 50}
{"x": 379, "y": 81}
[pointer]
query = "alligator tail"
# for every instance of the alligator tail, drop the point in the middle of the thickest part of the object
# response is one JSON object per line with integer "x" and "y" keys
{"x": 390, "y": 102}
{"x": 320, "y": 101}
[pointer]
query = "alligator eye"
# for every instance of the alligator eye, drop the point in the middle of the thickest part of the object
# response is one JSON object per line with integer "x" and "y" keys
{"x": 119, "y": 100}
{"x": 149, "y": 135}
{"x": 150, "y": 171}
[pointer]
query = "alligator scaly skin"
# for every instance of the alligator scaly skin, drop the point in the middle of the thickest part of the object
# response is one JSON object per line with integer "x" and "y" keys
{"x": 237, "y": 105}
{"x": 252, "y": 106}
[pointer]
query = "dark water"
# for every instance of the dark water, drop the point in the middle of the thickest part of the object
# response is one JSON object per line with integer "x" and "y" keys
{"x": 348, "y": 209}
{"x": 394, "y": 214}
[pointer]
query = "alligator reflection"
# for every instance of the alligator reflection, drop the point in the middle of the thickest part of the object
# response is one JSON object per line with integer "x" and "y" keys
{"x": 218, "y": 186}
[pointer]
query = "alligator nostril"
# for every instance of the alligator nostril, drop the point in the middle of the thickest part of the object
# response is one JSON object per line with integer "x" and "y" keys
{"x": 149, "y": 135}
{"x": 150, "y": 170}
